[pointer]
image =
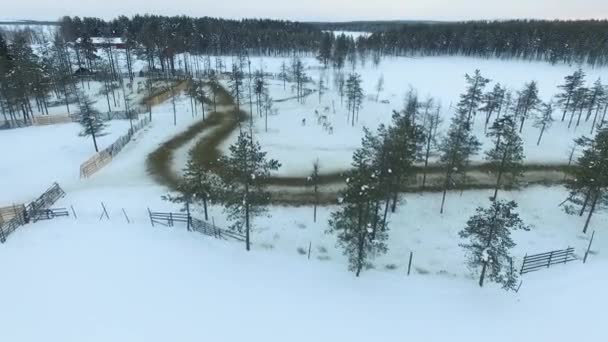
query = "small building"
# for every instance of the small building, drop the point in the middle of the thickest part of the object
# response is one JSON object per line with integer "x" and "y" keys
{"x": 103, "y": 42}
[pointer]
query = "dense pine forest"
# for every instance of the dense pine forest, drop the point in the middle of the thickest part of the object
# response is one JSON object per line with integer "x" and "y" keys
{"x": 552, "y": 41}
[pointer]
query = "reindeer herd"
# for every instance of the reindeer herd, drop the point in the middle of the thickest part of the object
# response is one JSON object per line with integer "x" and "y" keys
{"x": 322, "y": 120}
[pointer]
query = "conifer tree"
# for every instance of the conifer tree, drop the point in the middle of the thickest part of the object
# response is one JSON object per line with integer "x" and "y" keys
{"x": 472, "y": 97}
{"x": 92, "y": 125}
{"x": 489, "y": 240}
{"x": 236, "y": 85}
{"x": 325, "y": 48}
{"x": 214, "y": 85}
{"x": 430, "y": 127}
{"x": 544, "y": 120}
{"x": 588, "y": 184}
{"x": 244, "y": 173}
{"x": 198, "y": 183}
{"x": 456, "y": 149}
{"x": 313, "y": 180}
{"x": 352, "y": 222}
{"x": 354, "y": 96}
{"x": 571, "y": 84}
{"x": 528, "y": 103}
{"x": 507, "y": 155}
{"x": 492, "y": 103}
{"x": 379, "y": 87}
{"x": 598, "y": 99}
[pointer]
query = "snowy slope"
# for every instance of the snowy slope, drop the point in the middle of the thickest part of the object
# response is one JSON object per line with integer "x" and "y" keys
{"x": 439, "y": 77}
{"x": 103, "y": 281}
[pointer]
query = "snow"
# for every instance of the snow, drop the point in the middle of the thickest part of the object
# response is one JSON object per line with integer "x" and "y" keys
{"x": 86, "y": 279}
{"x": 35, "y": 157}
{"x": 439, "y": 77}
{"x": 111, "y": 281}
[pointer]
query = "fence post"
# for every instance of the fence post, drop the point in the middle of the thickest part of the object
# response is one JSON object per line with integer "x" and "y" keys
{"x": 170, "y": 219}
{"x": 127, "y": 217}
{"x": 550, "y": 257}
{"x": 588, "y": 247}
{"x": 409, "y": 264}
{"x": 150, "y": 214}
{"x": 74, "y": 212}
{"x": 105, "y": 212}
{"x": 523, "y": 264}
{"x": 309, "y": 246}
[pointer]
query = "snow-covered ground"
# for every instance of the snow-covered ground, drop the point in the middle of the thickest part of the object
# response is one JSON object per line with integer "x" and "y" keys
{"x": 297, "y": 146}
{"x": 74, "y": 280}
{"x": 37, "y": 156}
{"x": 34, "y": 157}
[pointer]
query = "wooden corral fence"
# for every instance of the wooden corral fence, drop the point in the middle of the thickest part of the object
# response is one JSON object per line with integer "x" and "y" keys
{"x": 42, "y": 120}
{"x": 34, "y": 211}
{"x": 166, "y": 94}
{"x": 545, "y": 260}
{"x": 7, "y": 213}
{"x": 104, "y": 157}
{"x": 168, "y": 219}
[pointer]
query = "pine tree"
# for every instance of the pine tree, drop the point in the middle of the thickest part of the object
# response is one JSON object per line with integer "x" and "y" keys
{"x": 492, "y": 103}
{"x": 430, "y": 126}
{"x": 528, "y": 103}
{"x": 507, "y": 155}
{"x": 489, "y": 235}
{"x": 244, "y": 174}
{"x": 214, "y": 85}
{"x": 313, "y": 180}
{"x": 404, "y": 144}
{"x": 354, "y": 96}
{"x": 579, "y": 102}
{"x": 90, "y": 121}
{"x": 325, "y": 49}
{"x": 379, "y": 87}
{"x": 284, "y": 74}
{"x": 456, "y": 149}
{"x": 352, "y": 223}
{"x": 184, "y": 196}
{"x": 597, "y": 102}
{"x": 571, "y": 84}
{"x": 199, "y": 183}
{"x": 471, "y": 99}
{"x": 236, "y": 85}
{"x": 544, "y": 120}
{"x": 588, "y": 183}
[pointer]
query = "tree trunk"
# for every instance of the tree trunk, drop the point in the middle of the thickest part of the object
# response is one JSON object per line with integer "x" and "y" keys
{"x": 483, "y": 273}
{"x": 205, "y": 207}
{"x": 542, "y": 130}
{"x": 566, "y": 108}
{"x": 593, "y": 204}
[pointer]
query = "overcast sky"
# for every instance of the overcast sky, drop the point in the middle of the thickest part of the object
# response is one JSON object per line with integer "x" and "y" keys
{"x": 322, "y": 10}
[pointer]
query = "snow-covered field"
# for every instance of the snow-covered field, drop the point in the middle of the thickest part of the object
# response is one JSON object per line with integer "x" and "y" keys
{"x": 37, "y": 156}
{"x": 69, "y": 280}
{"x": 85, "y": 279}
{"x": 438, "y": 77}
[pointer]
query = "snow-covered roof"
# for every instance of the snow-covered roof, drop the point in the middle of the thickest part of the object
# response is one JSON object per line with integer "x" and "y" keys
{"x": 104, "y": 40}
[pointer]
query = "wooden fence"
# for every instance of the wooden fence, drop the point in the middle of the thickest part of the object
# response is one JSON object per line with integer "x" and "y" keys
{"x": 168, "y": 219}
{"x": 545, "y": 260}
{"x": 43, "y": 120}
{"x": 104, "y": 157}
{"x": 7, "y": 213}
{"x": 22, "y": 214}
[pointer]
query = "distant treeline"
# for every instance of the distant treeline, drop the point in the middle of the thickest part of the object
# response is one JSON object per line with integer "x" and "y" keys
{"x": 553, "y": 41}
{"x": 163, "y": 37}
{"x": 367, "y": 26}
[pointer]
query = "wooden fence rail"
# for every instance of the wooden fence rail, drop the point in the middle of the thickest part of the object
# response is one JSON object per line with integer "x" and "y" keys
{"x": 25, "y": 213}
{"x": 545, "y": 260}
{"x": 168, "y": 219}
{"x": 104, "y": 157}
